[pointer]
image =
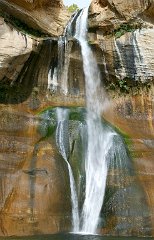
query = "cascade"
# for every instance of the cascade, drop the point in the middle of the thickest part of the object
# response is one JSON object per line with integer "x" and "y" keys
{"x": 63, "y": 63}
{"x": 99, "y": 139}
{"x": 64, "y": 50}
{"x": 59, "y": 77}
{"x": 61, "y": 57}
{"x": 52, "y": 80}
{"x": 62, "y": 143}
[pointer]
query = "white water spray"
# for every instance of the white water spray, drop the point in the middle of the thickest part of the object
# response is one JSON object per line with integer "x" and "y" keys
{"x": 99, "y": 139}
{"x": 62, "y": 118}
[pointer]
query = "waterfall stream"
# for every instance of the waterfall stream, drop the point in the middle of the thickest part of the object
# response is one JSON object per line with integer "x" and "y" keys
{"x": 60, "y": 77}
{"x": 99, "y": 139}
{"x": 62, "y": 119}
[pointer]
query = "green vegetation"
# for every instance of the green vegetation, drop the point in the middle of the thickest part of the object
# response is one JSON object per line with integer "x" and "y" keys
{"x": 91, "y": 42}
{"x": 120, "y": 84}
{"x": 73, "y": 8}
{"x": 126, "y": 27}
{"x": 128, "y": 86}
{"x": 123, "y": 85}
{"x": 48, "y": 119}
{"x": 77, "y": 114}
{"x": 48, "y": 122}
{"x": 22, "y": 26}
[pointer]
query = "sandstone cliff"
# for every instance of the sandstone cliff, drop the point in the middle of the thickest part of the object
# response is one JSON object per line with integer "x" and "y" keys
{"x": 124, "y": 31}
{"x": 49, "y": 17}
{"x": 15, "y": 50}
{"x": 112, "y": 13}
{"x": 32, "y": 172}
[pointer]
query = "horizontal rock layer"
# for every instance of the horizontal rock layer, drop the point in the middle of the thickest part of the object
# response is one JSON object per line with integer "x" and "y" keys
{"x": 32, "y": 171}
{"x": 46, "y": 16}
{"x": 33, "y": 178}
{"x": 14, "y": 52}
{"x": 112, "y": 13}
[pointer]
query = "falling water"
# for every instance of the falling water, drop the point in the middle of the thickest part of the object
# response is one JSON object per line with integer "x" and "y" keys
{"x": 62, "y": 142}
{"x": 64, "y": 50}
{"x": 62, "y": 59}
{"x": 99, "y": 139}
{"x": 52, "y": 80}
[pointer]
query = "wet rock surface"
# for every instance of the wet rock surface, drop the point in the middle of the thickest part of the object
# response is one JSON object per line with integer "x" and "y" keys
{"x": 35, "y": 195}
{"x": 34, "y": 183}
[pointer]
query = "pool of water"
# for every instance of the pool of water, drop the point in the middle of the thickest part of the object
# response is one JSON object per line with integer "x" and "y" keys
{"x": 73, "y": 237}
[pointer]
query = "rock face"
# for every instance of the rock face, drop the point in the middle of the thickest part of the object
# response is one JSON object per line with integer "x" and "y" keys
{"x": 15, "y": 50}
{"x": 119, "y": 52}
{"x": 46, "y": 16}
{"x": 29, "y": 163}
{"x": 133, "y": 115}
{"x": 126, "y": 45}
{"x": 111, "y": 13}
{"x": 30, "y": 166}
{"x": 32, "y": 171}
{"x": 124, "y": 32}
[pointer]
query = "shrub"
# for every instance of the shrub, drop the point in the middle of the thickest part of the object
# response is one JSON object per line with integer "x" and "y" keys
{"x": 72, "y": 8}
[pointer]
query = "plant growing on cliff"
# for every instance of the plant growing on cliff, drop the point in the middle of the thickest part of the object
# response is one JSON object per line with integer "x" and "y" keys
{"x": 123, "y": 85}
{"x": 73, "y": 8}
{"x": 126, "y": 27}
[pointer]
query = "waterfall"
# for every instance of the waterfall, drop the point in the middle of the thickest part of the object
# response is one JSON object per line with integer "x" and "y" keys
{"x": 64, "y": 50}
{"x": 62, "y": 143}
{"x": 52, "y": 80}
{"x": 99, "y": 138}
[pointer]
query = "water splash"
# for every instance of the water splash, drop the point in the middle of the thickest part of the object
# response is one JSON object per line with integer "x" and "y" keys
{"x": 99, "y": 138}
{"x": 63, "y": 143}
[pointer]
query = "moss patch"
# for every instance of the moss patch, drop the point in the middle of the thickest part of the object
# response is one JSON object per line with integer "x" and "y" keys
{"x": 77, "y": 114}
{"x": 48, "y": 122}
